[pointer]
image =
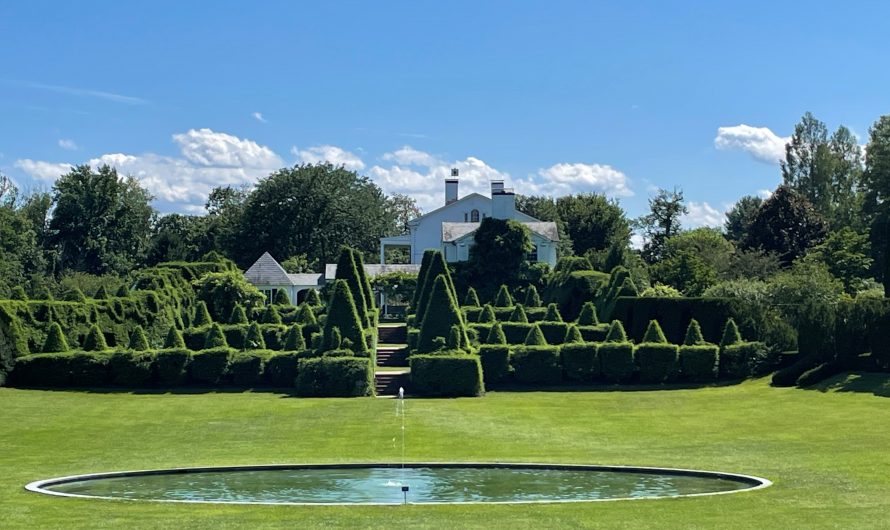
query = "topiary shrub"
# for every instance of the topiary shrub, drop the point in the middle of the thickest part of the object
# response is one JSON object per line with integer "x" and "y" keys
{"x": 95, "y": 340}
{"x": 486, "y": 316}
{"x": 122, "y": 291}
{"x": 138, "y": 340}
{"x": 658, "y": 362}
{"x": 452, "y": 374}
{"x": 347, "y": 270}
{"x": 554, "y": 332}
{"x": 246, "y": 369}
{"x": 270, "y": 315}
{"x": 472, "y": 299}
{"x": 18, "y": 293}
{"x": 335, "y": 377}
{"x": 209, "y": 366}
{"x": 254, "y": 339}
{"x": 238, "y": 316}
{"x": 171, "y": 366}
{"x": 552, "y": 314}
{"x": 101, "y": 293}
{"x": 616, "y": 355}
{"x": 699, "y": 363}
{"x": 202, "y": 316}
{"x": 535, "y": 337}
{"x": 653, "y": 334}
{"x": 495, "y": 360}
{"x": 503, "y": 298}
{"x": 579, "y": 361}
{"x": 573, "y": 335}
{"x": 312, "y": 298}
{"x": 131, "y": 369}
{"x": 496, "y": 335}
{"x": 281, "y": 367}
{"x": 515, "y": 332}
{"x": 694, "y": 336}
{"x": 294, "y": 341}
{"x": 731, "y": 334}
{"x": 48, "y": 370}
{"x": 588, "y": 315}
{"x": 174, "y": 339}
{"x": 88, "y": 369}
{"x": 518, "y": 315}
{"x": 741, "y": 360}
{"x": 281, "y": 297}
{"x": 55, "y": 340}
{"x": 532, "y": 298}
{"x": 616, "y": 332}
{"x": 74, "y": 294}
{"x": 342, "y": 314}
{"x": 215, "y": 338}
{"x": 536, "y": 364}
{"x": 594, "y": 333}
{"x": 442, "y": 314}
{"x": 306, "y": 316}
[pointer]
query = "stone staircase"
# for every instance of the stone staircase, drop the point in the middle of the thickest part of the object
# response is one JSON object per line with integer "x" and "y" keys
{"x": 388, "y": 383}
{"x": 392, "y": 357}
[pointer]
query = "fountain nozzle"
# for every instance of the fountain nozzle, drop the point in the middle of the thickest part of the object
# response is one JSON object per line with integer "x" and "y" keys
{"x": 401, "y": 393}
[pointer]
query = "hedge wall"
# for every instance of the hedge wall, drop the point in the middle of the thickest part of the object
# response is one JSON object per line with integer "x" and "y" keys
{"x": 742, "y": 360}
{"x": 658, "y": 363}
{"x": 580, "y": 361}
{"x": 449, "y": 374}
{"x": 699, "y": 363}
{"x": 536, "y": 364}
{"x": 335, "y": 377}
{"x": 495, "y": 359}
{"x": 616, "y": 361}
{"x": 674, "y": 315}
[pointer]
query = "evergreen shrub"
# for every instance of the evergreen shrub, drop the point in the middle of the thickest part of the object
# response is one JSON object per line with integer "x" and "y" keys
{"x": 742, "y": 359}
{"x": 171, "y": 366}
{"x": 616, "y": 361}
{"x": 486, "y": 316}
{"x": 343, "y": 315}
{"x": 515, "y": 332}
{"x": 450, "y": 374}
{"x": 46, "y": 370}
{"x": 215, "y": 338}
{"x": 588, "y": 315}
{"x": 254, "y": 338}
{"x": 472, "y": 299}
{"x": 496, "y": 334}
{"x": 532, "y": 298}
{"x": 95, "y": 340}
{"x": 518, "y": 314}
{"x": 503, "y": 298}
{"x": 131, "y": 369}
{"x": 699, "y": 363}
{"x": 658, "y": 362}
{"x": 335, "y": 377}
{"x": 595, "y": 333}
{"x": 270, "y": 315}
{"x": 280, "y": 369}
{"x": 209, "y": 366}
{"x": 88, "y": 369}
{"x": 238, "y": 316}
{"x": 442, "y": 314}
{"x": 246, "y": 368}
{"x": 495, "y": 360}
{"x": 202, "y": 316}
{"x": 138, "y": 340}
{"x": 554, "y": 332}
{"x": 55, "y": 340}
{"x": 536, "y": 364}
{"x": 552, "y": 314}
{"x": 579, "y": 361}
{"x": 281, "y": 297}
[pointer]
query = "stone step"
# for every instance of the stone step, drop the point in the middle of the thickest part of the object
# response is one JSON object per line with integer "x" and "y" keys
{"x": 392, "y": 334}
{"x": 388, "y": 383}
{"x": 392, "y": 357}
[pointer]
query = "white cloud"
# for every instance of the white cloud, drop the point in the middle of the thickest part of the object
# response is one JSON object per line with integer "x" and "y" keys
{"x": 329, "y": 153}
{"x": 563, "y": 179}
{"x": 760, "y": 142}
{"x": 42, "y": 170}
{"x": 65, "y": 143}
{"x": 84, "y": 92}
{"x": 258, "y": 116}
{"x": 765, "y": 193}
{"x": 209, "y": 148}
{"x": 702, "y": 214}
{"x": 409, "y": 156}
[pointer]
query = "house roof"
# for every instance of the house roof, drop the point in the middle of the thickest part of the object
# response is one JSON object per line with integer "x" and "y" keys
{"x": 267, "y": 271}
{"x": 375, "y": 269}
{"x": 313, "y": 278}
{"x": 462, "y": 199}
{"x": 453, "y": 231}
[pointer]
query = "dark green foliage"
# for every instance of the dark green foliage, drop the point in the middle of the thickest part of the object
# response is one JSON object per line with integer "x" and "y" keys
{"x": 503, "y": 298}
{"x": 573, "y": 335}
{"x": 122, "y": 291}
{"x": 202, "y": 316}
{"x": 209, "y": 366}
{"x": 658, "y": 362}
{"x": 343, "y": 315}
{"x": 495, "y": 359}
{"x": 674, "y": 315}
{"x": 616, "y": 361}
{"x": 238, "y": 316}
{"x": 44, "y": 371}
{"x": 515, "y": 332}
{"x": 312, "y": 298}
{"x": 74, "y": 294}
{"x": 616, "y": 332}
{"x": 221, "y": 291}
{"x": 306, "y": 315}
{"x": 450, "y": 374}
{"x": 535, "y": 337}
{"x": 730, "y": 334}
{"x": 138, "y": 340}
{"x": 496, "y": 335}
{"x": 88, "y": 369}
{"x": 270, "y": 315}
{"x": 18, "y": 293}
{"x": 131, "y": 369}
{"x": 580, "y": 361}
{"x": 363, "y": 280}
{"x": 254, "y": 339}
{"x": 570, "y": 289}
{"x": 335, "y": 377}
{"x": 294, "y": 341}
{"x": 443, "y": 314}
{"x": 281, "y": 297}
{"x": 588, "y": 315}
{"x": 653, "y": 334}
{"x": 43, "y": 293}
{"x": 554, "y": 332}
{"x": 333, "y": 339}
{"x": 536, "y": 364}
{"x": 552, "y": 314}
{"x": 786, "y": 224}
{"x": 486, "y": 315}
{"x": 55, "y": 340}
{"x": 693, "y": 334}
{"x": 499, "y": 250}
{"x": 518, "y": 314}
{"x": 171, "y": 365}
{"x": 699, "y": 362}
{"x": 532, "y": 298}
{"x": 95, "y": 340}
{"x": 246, "y": 369}
{"x": 215, "y": 338}
{"x": 421, "y": 279}
{"x": 594, "y": 333}
{"x": 437, "y": 268}
{"x": 281, "y": 368}
{"x": 472, "y": 299}
{"x": 454, "y": 342}
{"x": 101, "y": 293}
{"x": 819, "y": 373}
{"x": 742, "y": 359}
{"x": 347, "y": 270}
{"x": 174, "y": 339}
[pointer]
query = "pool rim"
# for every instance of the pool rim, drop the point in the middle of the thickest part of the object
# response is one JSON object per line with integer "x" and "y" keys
{"x": 755, "y": 483}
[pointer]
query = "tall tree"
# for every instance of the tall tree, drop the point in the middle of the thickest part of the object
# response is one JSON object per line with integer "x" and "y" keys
{"x": 499, "y": 250}
{"x": 595, "y": 224}
{"x": 661, "y": 223}
{"x": 177, "y": 237}
{"x": 786, "y": 224}
{"x": 739, "y": 217}
{"x": 876, "y": 188}
{"x": 544, "y": 209}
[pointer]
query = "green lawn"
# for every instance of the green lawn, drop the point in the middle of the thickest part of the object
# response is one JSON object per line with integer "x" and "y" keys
{"x": 827, "y": 452}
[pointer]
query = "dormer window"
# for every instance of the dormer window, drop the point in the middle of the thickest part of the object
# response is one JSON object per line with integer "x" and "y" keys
{"x": 474, "y": 216}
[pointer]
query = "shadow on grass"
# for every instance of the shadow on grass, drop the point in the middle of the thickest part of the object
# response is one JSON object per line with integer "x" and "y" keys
{"x": 877, "y": 384}
{"x": 180, "y": 390}
{"x": 607, "y": 387}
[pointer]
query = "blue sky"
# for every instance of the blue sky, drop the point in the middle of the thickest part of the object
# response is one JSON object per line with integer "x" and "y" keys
{"x": 556, "y": 97}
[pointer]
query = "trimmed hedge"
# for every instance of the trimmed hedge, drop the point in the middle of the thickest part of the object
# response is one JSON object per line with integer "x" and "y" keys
{"x": 88, "y": 369}
{"x": 171, "y": 366}
{"x": 536, "y": 364}
{"x": 516, "y": 332}
{"x": 658, "y": 362}
{"x": 699, "y": 363}
{"x": 246, "y": 368}
{"x": 554, "y": 332}
{"x": 449, "y": 375}
{"x": 281, "y": 367}
{"x": 131, "y": 369}
{"x": 674, "y": 315}
{"x": 495, "y": 359}
{"x": 594, "y": 333}
{"x": 43, "y": 370}
{"x": 335, "y": 377}
{"x": 616, "y": 361}
{"x": 580, "y": 361}
{"x": 209, "y": 366}
{"x": 742, "y": 360}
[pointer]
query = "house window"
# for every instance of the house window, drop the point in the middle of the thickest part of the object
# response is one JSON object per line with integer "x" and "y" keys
{"x": 533, "y": 255}
{"x": 474, "y": 216}
{"x": 465, "y": 217}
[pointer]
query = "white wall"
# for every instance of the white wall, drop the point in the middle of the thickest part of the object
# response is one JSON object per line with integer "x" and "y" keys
{"x": 428, "y": 232}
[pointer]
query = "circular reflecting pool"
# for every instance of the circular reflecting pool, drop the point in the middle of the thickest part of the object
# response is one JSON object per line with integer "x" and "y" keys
{"x": 387, "y": 484}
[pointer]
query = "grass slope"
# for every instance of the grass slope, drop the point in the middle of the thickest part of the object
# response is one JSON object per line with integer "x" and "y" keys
{"x": 825, "y": 450}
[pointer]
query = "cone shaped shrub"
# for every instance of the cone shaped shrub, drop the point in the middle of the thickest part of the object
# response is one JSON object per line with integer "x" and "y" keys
{"x": 552, "y": 314}
{"x": 573, "y": 335}
{"x": 693, "y": 334}
{"x": 518, "y": 315}
{"x": 454, "y": 338}
{"x": 270, "y": 315}
{"x": 628, "y": 288}
{"x": 730, "y": 334}
{"x": 215, "y": 338}
{"x": 532, "y": 298}
{"x": 347, "y": 270}
{"x": 94, "y": 315}
{"x": 254, "y": 339}
{"x": 503, "y": 298}
{"x": 174, "y": 339}
{"x": 363, "y": 279}
{"x": 588, "y": 315}
{"x": 306, "y": 315}
{"x": 312, "y": 298}
{"x": 294, "y": 340}
{"x": 616, "y": 332}
{"x": 95, "y": 340}
{"x": 472, "y": 299}
{"x": 122, "y": 291}
{"x": 617, "y": 277}
{"x": 654, "y": 334}
{"x": 421, "y": 278}
{"x": 281, "y": 297}
{"x": 487, "y": 315}
{"x": 18, "y": 293}
{"x": 443, "y": 313}
{"x": 43, "y": 293}
{"x": 74, "y": 295}
{"x": 437, "y": 268}
{"x": 238, "y": 316}
{"x": 55, "y": 340}
{"x": 333, "y": 338}
{"x": 343, "y": 315}
{"x": 202, "y": 316}
{"x": 535, "y": 337}
{"x": 101, "y": 293}
{"x": 138, "y": 340}
{"x": 496, "y": 335}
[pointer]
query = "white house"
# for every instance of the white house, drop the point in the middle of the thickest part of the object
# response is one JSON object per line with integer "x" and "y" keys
{"x": 451, "y": 227}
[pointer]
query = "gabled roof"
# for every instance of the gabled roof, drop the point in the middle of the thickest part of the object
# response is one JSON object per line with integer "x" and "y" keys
{"x": 311, "y": 278}
{"x": 375, "y": 269}
{"x": 454, "y": 231}
{"x": 267, "y": 271}
{"x": 440, "y": 208}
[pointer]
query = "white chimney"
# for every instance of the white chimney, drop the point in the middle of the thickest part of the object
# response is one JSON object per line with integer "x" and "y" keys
{"x": 503, "y": 201}
{"x": 451, "y": 187}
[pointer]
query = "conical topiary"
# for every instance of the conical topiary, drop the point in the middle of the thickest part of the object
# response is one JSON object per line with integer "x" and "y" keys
{"x": 270, "y": 315}
{"x": 343, "y": 315}
{"x": 294, "y": 340}
{"x": 215, "y": 338}
{"x": 588, "y": 315}
{"x": 239, "y": 315}
{"x": 306, "y": 315}
{"x": 496, "y": 335}
{"x": 281, "y": 297}
{"x": 552, "y": 314}
{"x": 101, "y": 293}
{"x": 454, "y": 338}
{"x": 18, "y": 293}
{"x": 332, "y": 338}
{"x": 55, "y": 340}
{"x": 486, "y": 315}
{"x": 43, "y": 293}
{"x": 202, "y": 316}
{"x": 254, "y": 339}
{"x": 95, "y": 340}
{"x": 363, "y": 279}
{"x": 731, "y": 334}
{"x": 628, "y": 288}
{"x": 94, "y": 314}
{"x": 573, "y": 335}
{"x": 174, "y": 339}
{"x": 503, "y": 298}
{"x": 532, "y": 298}
{"x": 312, "y": 298}
{"x": 694, "y": 336}
{"x": 122, "y": 291}
{"x": 654, "y": 334}
{"x": 535, "y": 337}
{"x": 616, "y": 332}
{"x": 138, "y": 340}
{"x": 518, "y": 314}
{"x": 421, "y": 278}
{"x": 437, "y": 268}
{"x": 347, "y": 270}
{"x": 74, "y": 294}
{"x": 472, "y": 299}
{"x": 443, "y": 313}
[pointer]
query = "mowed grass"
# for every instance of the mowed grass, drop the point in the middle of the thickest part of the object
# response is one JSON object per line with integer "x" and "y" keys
{"x": 828, "y": 452}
